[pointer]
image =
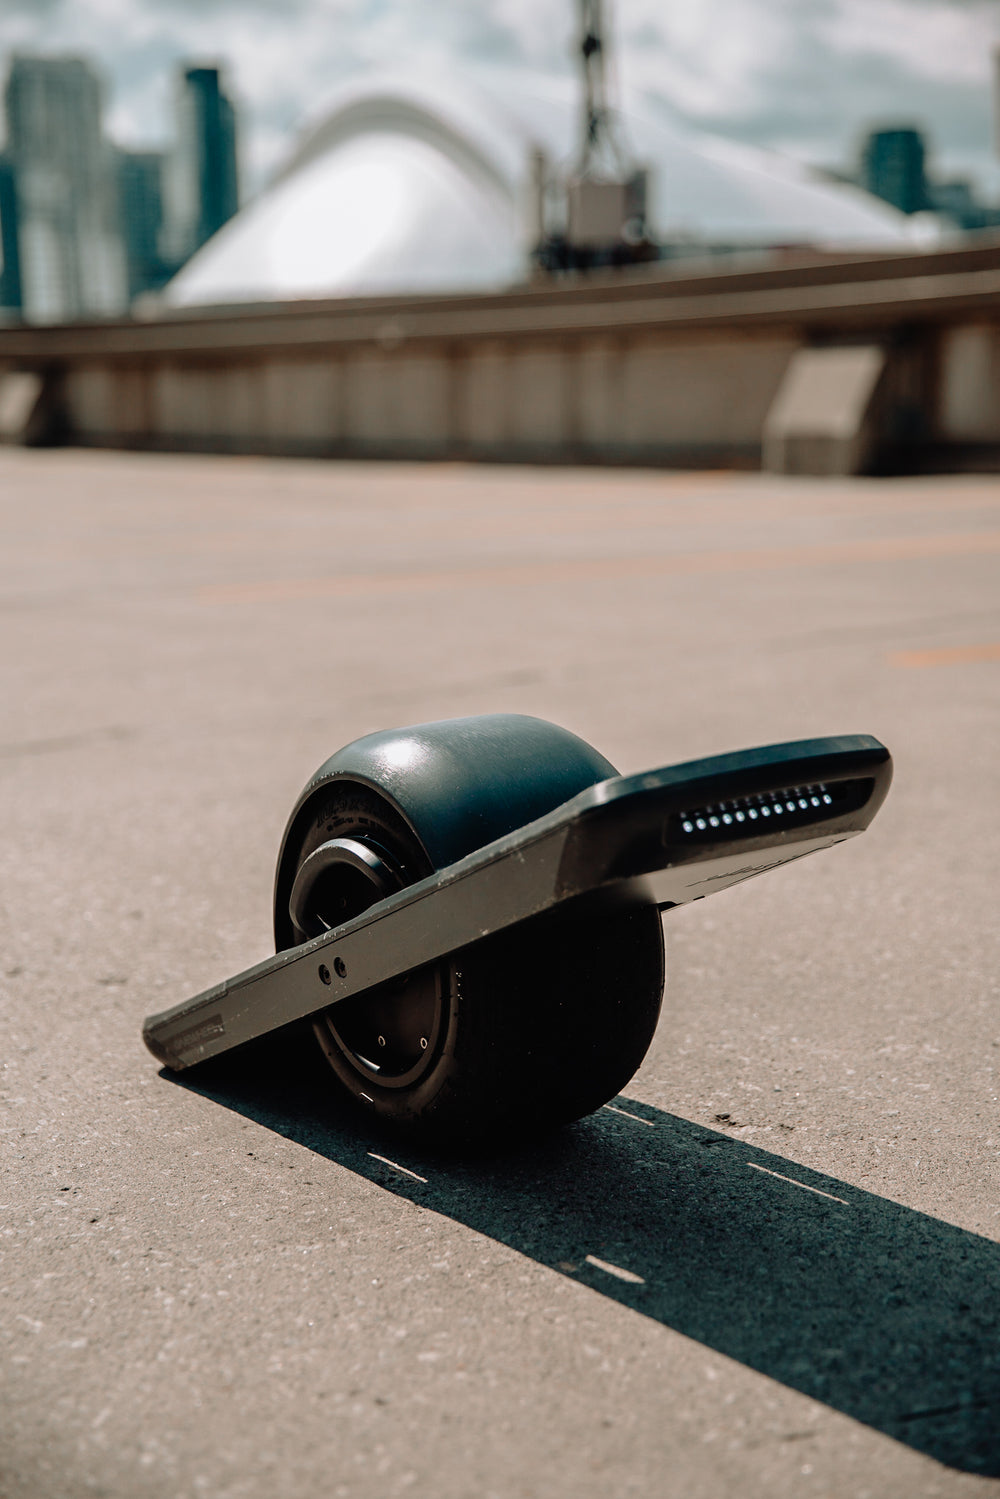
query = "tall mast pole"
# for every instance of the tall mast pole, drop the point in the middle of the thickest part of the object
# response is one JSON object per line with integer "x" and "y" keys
{"x": 599, "y": 152}
{"x": 604, "y": 191}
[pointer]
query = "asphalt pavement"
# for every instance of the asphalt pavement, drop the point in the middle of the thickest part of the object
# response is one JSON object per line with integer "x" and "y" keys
{"x": 769, "y": 1268}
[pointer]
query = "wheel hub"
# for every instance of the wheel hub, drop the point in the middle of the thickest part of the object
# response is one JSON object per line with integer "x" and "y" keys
{"x": 391, "y": 1032}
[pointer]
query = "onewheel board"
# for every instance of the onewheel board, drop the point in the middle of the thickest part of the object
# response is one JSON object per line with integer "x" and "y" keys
{"x": 468, "y": 911}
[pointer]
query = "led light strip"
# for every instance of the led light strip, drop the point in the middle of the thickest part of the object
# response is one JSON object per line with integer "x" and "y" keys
{"x": 791, "y": 801}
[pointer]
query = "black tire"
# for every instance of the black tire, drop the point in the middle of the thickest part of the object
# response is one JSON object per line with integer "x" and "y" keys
{"x": 524, "y": 1030}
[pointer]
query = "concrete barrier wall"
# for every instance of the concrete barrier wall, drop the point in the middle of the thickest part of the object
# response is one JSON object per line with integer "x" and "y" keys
{"x": 970, "y": 383}
{"x": 647, "y": 399}
{"x": 646, "y": 368}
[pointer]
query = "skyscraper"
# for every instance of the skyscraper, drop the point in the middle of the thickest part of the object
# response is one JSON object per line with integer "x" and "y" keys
{"x": 893, "y": 168}
{"x": 71, "y": 260}
{"x": 10, "y": 269}
{"x": 201, "y": 182}
{"x": 140, "y": 200}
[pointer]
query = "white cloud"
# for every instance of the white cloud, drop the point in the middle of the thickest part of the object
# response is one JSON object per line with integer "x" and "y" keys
{"x": 932, "y": 40}
{"x": 804, "y": 75}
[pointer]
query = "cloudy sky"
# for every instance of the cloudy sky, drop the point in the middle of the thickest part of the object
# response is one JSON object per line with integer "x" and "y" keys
{"x": 802, "y": 76}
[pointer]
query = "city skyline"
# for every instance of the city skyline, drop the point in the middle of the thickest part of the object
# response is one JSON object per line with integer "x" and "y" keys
{"x": 805, "y": 79}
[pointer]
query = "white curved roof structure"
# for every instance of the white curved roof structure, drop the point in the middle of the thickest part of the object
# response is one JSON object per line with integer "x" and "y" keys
{"x": 407, "y": 186}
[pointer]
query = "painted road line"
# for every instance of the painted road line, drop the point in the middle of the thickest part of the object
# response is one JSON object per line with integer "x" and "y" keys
{"x": 625, "y": 1113}
{"x": 607, "y": 569}
{"x": 396, "y": 1166}
{"x": 804, "y": 1185}
{"x": 948, "y": 655}
{"x": 629, "y": 1275}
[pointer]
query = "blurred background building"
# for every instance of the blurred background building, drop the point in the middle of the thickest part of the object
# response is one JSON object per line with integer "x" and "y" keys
{"x": 140, "y": 215}
{"x": 10, "y": 262}
{"x": 71, "y": 256}
{"x": 894, "y": 167}
{"x": 86, "y": 227}
{"x": 200, "y": 179}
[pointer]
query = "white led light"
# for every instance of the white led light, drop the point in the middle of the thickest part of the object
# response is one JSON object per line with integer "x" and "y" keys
{"x": 827, "y": 798}
{"x": 701, "y": 823}
{"x": 727, "y": 818}
{"x": 790, "y": 806}
{"x": 814, "y": 800}
{"x": 777, "y": 809}
{"x": 740, "y": 817}
{"x": 803, "y": 803}
{"x": 688, "y": 827}
{"x": 753, "y": 813}
{"x": 713, "y": 822}
{"x": 765, "y": 811}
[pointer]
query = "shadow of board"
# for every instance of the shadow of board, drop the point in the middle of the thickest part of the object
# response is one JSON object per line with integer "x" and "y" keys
{"x": 880, "y": 1312}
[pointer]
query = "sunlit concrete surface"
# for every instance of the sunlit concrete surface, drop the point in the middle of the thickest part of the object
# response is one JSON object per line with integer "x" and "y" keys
{"x": 770, "y": 1269}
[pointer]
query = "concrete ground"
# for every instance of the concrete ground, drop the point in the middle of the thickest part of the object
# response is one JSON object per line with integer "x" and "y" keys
{"x": 771, "y": 1269}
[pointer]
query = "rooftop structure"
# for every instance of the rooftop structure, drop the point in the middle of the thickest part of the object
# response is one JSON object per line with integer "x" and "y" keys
{"x": 405, "y": 185}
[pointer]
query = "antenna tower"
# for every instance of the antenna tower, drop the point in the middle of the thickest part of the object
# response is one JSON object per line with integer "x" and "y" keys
{"x": 601, "y": 154}
{"x": 604, "y": 193}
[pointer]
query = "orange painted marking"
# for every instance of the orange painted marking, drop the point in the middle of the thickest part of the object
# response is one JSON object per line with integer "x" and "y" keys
{"x": 949, "y": 655}
{"x": 347, "y": 585}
